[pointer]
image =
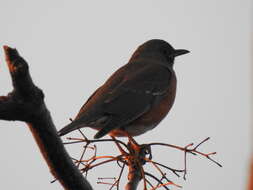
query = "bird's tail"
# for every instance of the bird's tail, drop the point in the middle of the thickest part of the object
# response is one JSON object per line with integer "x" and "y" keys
{"x": 70, "y": 127}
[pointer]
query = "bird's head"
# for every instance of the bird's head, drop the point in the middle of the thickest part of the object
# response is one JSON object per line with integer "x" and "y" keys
{"x": 159, "y": 50}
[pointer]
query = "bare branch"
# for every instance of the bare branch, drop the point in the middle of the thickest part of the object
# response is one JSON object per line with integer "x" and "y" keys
{"x": 135, "y": 156}
{"x": 26, "y": 103}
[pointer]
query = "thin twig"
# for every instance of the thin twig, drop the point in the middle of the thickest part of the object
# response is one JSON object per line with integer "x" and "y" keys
{"x": 171, "y": 169}
{"x": 156, "y": 179}
{"x": 120, "y": 175}
{"x": 135, "y": 158}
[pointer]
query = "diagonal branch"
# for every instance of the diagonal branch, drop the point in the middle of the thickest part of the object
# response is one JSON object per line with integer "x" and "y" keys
{"x": 26, "y": 103}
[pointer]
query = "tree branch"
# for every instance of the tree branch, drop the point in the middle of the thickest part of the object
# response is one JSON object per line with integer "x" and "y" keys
{"x": 26, "y": 103}
{"x": 134, "y": 176}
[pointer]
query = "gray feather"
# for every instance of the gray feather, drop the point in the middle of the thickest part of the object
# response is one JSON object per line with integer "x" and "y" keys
{"x": 76, "y": 124}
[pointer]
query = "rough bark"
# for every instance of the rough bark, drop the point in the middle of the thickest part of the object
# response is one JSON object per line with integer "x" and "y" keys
{"x": 26, "y": 103}
{"x": 134, "y": 177}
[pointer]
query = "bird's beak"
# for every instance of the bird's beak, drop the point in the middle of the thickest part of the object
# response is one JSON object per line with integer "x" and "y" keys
{"x": 179, "y": 52}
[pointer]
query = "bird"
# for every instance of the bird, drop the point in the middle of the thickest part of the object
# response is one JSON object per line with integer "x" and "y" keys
{"x": 135, "y": 98}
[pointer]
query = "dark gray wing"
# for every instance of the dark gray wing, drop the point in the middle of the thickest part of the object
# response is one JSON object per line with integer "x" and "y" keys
{"x": 134, "y": 96}
{"x": 94, "y": 102}
{"x": 91, "y": 110}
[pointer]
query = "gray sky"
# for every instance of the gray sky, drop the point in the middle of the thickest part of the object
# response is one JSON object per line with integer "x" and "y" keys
{"x": 73, "y": 46}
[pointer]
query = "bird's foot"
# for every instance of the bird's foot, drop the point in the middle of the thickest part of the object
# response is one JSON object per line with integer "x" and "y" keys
{"x": 137, "y": 149}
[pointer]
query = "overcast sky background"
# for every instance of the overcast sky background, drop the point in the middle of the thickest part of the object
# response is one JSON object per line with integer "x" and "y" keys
{"x": 72, "y": 47}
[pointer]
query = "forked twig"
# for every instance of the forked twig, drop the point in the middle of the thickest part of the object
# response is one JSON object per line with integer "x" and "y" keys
{"x": 135, "y": 158}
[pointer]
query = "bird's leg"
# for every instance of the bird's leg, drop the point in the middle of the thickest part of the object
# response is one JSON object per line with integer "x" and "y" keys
{"x": 134, "y": 145}
{"x": 122, "y": 151}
